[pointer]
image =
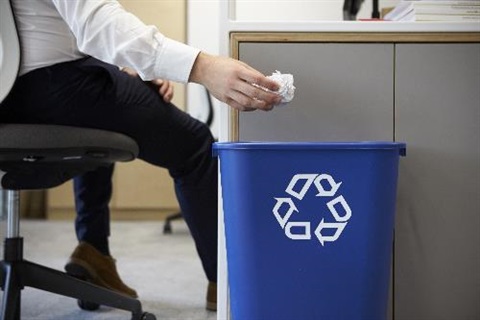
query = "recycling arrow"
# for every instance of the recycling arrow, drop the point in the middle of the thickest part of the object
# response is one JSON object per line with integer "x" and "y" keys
{"x": 338, "y": 226}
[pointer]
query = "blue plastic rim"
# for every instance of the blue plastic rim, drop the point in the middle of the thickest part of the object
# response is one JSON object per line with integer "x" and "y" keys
{"x": 347, "y": 145}
{"x": 309, "y": 228}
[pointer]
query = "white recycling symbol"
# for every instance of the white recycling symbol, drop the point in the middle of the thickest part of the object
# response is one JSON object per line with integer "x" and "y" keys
{"x": 327, "y": 187}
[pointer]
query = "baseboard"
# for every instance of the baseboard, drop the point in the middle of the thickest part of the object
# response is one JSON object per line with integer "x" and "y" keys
{"x": 117, "y": 214}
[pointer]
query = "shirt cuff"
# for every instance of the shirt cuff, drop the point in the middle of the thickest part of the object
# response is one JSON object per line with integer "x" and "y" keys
{"x": 175, "y": 61}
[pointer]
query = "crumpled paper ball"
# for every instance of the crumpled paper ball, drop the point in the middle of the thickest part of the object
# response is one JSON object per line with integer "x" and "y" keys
{"x": 286, "y": 90}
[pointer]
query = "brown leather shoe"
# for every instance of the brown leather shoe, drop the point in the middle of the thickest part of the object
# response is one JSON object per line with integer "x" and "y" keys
{"x": 88, "y": 263}
{"x": 212, "y": 296}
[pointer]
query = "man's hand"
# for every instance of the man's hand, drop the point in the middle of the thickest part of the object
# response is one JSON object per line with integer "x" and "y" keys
{"x": 165, "y": 88}
{"x": 231, "y": 81}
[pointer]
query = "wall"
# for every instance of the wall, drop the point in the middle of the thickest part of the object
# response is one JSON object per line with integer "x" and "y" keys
{"x": 203, "y": 33}
{"x": 169, "y": 16}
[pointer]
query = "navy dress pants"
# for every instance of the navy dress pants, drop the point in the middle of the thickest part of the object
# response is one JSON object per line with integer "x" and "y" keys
{"x": 90, "y": 93}
{"x": 93, "y": 191}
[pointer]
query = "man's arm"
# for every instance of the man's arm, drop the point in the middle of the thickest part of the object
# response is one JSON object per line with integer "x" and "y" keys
{"x": 105, "y": 30}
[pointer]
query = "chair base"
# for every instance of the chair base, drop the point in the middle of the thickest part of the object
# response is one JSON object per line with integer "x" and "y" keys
{"x": 167, "y": 227}
{"x": 16, "y": 273}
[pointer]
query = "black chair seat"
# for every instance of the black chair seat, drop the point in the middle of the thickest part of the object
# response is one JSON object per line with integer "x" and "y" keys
{"x": 37, "y": 156}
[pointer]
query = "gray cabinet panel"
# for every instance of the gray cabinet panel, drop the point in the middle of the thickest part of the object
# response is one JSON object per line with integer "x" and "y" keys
{"x": 427, "y": 95}
{"x": 344, "y": 92}
{"x": 437, "y": 251}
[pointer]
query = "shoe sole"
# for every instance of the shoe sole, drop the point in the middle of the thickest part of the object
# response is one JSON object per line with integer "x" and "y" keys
{"x": 211, "y": 306}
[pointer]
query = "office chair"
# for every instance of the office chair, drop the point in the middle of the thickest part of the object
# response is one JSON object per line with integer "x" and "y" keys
{"x": 43, "y": 156}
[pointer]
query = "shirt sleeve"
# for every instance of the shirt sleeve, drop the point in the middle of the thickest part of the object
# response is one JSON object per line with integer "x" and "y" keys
{"x": 106, "y": 31}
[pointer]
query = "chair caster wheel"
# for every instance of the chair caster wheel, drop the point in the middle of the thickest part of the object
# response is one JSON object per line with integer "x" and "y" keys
{"x": 148, "y": 316}
{"x": 167, "y": 228}
{"x": 87, "y": 305}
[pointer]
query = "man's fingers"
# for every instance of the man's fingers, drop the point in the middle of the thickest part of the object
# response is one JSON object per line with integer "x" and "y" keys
{"x": 158, "y": 82}
{"x": 267, "y": 83}
{"x": 252, "y": 76}
{"x": 129, "y": 71}
{"x": 165, "y": 89}
{"x": 242, "y": 102}
{"x": 258, "y": 93}
{"x": 168, "y": 96}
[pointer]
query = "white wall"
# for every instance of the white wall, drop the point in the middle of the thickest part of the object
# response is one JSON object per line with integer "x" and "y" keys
{"x": 203, "y": 33}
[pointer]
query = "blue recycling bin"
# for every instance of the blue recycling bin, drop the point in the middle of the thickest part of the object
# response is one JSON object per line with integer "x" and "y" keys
{"x": 309, "y": 228}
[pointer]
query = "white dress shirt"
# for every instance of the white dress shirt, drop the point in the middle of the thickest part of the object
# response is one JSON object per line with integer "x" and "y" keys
{"x": 54, "y": 31}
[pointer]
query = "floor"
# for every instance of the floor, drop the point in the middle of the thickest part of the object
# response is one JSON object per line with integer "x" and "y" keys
{"x": 164, "y": 269}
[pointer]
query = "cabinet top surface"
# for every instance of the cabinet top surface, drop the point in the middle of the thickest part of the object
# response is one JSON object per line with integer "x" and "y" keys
{"x": 351, "y": 26}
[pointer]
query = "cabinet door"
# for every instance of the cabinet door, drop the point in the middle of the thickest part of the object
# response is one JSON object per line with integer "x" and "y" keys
{"x": 343, "y": 92}
{"x": 141, "y": 186}
{"x": 437, "y": 255}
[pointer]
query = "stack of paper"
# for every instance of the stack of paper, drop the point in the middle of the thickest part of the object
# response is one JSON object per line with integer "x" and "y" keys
{"x": 436, "y": 10}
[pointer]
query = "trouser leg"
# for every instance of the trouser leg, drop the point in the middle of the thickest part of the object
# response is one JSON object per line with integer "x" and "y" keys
{"x": 93, "y": 191}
